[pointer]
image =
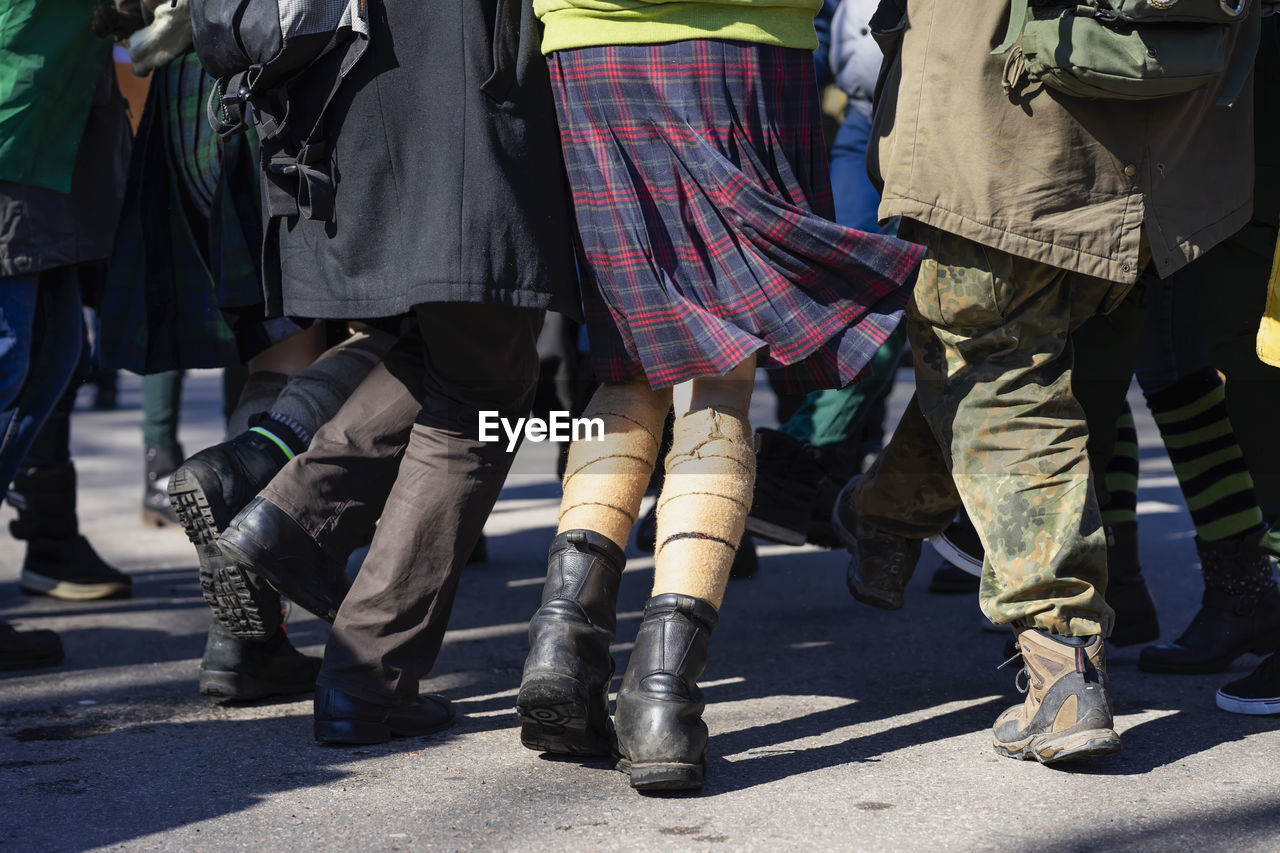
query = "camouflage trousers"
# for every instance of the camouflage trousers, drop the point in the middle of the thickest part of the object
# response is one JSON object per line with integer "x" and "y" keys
{"x": 995, "y": 426}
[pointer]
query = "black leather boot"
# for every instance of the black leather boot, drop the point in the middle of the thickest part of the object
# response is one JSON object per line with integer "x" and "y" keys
{"x": 1233, "y": 618}
{"x": 341, "y": 718}
{"x": 245, "y": 671}
{"x": 564, "y": 694}
{"x": 1127, "y": 593}
{"x": 59, "y": 562}
{"x": 662, "y": 740}
{"x": 263, "y": 543}
{"x": 206, "y": 492}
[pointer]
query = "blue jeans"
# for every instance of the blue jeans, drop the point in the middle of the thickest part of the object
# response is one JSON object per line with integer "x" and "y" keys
{"x": 41, "y": 335}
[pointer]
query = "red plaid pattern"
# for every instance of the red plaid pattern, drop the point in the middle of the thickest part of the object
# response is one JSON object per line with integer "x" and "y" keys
{"x": 703, "y": 203}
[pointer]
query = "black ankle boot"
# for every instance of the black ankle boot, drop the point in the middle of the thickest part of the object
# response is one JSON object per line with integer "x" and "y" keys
{"x": 59, "y": 563}
{"x": 1127, "y": 593}
{"x": 245, "y": 671}
{"x": 160, "y": 463}
{"x": 206, "y": 492}
{"x": 1240, "y": 612}
{"x": 662, "y": 739}
{"x": 564, "y": 694}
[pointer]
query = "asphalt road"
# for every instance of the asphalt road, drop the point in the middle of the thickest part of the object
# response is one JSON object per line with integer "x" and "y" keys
{"x": 834, "y": 726}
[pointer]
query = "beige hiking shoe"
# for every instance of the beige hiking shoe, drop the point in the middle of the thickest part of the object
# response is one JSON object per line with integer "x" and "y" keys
{"x": 1067, "y": 712}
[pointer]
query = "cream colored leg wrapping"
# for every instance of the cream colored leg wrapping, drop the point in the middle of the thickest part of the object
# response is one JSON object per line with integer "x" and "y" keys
{"x": 605, "y": 480}
{"x": 711, "y": 471}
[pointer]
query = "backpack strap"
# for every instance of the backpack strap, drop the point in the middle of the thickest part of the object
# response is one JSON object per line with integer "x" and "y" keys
{"x": 303, "y": 184}
{"x": 1017, "y": 20}
{"x": 228, "y": 105}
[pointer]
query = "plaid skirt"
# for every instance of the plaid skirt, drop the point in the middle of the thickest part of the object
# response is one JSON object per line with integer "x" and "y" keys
{"x": 184, "y": 285}
{"x": 703, "y": 203}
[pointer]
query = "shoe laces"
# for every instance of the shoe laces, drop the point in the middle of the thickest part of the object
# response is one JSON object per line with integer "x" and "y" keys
{"x": 1022, "y": 680}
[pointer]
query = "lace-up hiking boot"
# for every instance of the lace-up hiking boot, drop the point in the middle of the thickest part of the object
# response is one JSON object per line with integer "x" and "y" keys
{"x": 880, "y": 565}
{"x": 207, "y": 491}
{"x": 1256, "y": 693}
{"x": 564, "y": 694}
{"x": 662, "y": 740}
{"x": 786, "y": 486}
{"x": 1067, "y": 712}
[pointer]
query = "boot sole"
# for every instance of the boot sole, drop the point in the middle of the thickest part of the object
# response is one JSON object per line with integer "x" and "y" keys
{"x": 224, "y": 586}
{"x": 647, "y": 776}
{"x": 245, "y": 688}
{"x": 234, "y": 557}
{"x": 555, "y": 719}
{"x": 34, "y": 584}
{"x": 1050, "y": 749}
{"x": 1254, "y": 707}
{"x": 956, "y": 556}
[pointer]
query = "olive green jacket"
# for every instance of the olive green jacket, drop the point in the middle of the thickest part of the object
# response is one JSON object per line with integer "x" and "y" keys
{"x": 1069, "y": 182}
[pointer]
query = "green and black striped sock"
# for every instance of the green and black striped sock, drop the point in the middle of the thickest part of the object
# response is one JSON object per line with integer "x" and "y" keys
{"x": 1193, "y": 421}
{"x": 1122, "y": 474}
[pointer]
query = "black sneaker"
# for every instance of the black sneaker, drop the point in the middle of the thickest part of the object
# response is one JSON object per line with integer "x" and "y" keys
{"x": 787, "y": 475}
{"x": 960, "y": 546}
{"x": 69, "y": 569}
{"x": 207, "y": 491}
{"x": 1256, "y": 693}
{"x": 28, "y": 649}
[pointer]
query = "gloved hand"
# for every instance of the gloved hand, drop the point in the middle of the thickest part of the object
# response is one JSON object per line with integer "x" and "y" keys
{"x": 168, "y": 35}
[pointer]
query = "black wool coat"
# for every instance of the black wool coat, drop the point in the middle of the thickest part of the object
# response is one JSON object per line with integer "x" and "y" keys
{"x": 448, "y": 179}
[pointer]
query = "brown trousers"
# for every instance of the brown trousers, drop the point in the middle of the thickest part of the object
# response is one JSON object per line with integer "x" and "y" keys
{"x": 423, "y": 402}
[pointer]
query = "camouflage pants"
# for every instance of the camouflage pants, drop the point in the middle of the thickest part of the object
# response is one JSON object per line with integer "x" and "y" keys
{"x": 995, "y": 426}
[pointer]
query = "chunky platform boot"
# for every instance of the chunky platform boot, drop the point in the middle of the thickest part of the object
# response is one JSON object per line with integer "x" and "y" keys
{"x": 662, "y": 740}
{"x": 564, "y": 694}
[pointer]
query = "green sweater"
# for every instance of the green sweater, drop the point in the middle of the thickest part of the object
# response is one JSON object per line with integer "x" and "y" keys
{"x": 591, "y": 23}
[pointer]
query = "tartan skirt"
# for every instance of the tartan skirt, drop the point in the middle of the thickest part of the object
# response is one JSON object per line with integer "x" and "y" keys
{"x": 184, "y": 286}
{"x": 703, "y": 203}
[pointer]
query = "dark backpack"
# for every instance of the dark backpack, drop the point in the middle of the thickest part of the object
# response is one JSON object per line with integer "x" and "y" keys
{"x": 254, "y": 49}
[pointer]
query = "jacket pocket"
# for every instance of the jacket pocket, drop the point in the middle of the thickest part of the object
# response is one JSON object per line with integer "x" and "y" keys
{"x": 506, "y": 51}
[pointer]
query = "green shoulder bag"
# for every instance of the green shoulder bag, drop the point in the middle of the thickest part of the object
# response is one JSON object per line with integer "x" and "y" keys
{"x": 1130, "y": 49}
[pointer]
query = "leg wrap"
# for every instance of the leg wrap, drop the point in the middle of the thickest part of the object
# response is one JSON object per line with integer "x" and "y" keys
{"x": 605, "y": 479}
{"x": 710, "y": 475}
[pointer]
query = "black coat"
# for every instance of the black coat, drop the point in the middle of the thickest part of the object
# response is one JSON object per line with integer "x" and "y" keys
{"x": 449, "y": 182}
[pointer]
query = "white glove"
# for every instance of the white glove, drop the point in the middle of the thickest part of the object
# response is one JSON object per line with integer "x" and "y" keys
{"x": 166, "y": 37}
